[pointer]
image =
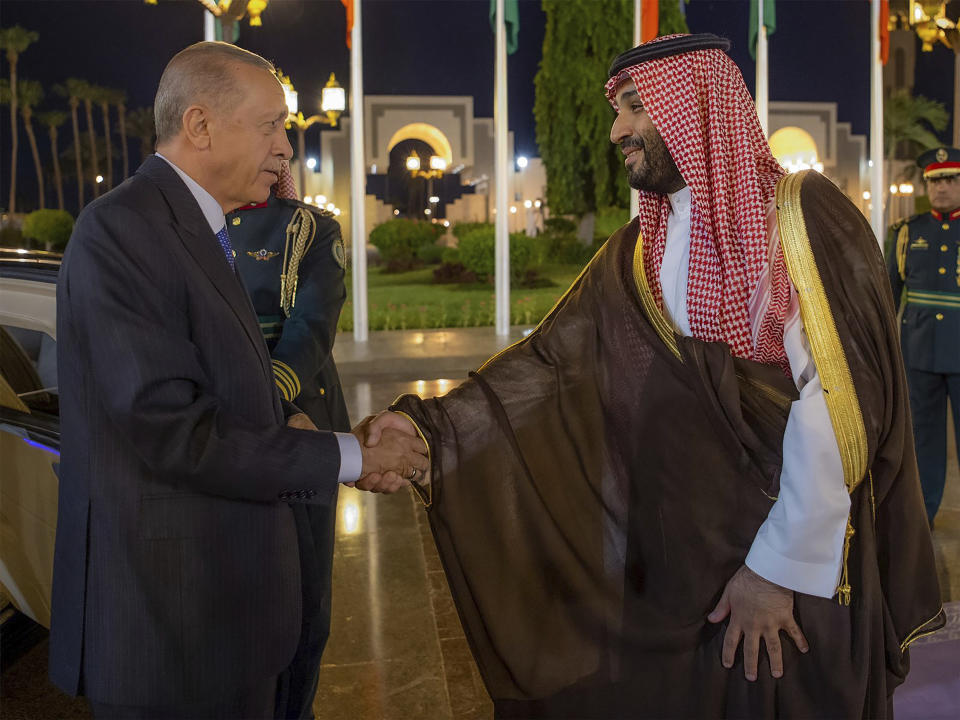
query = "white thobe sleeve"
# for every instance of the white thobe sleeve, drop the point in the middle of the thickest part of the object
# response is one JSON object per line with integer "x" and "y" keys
{"x": 800, "y": 544}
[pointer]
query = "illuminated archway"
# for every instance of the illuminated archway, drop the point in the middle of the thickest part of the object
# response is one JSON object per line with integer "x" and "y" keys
{"x": 794, "y": 147}
{"x": 429, "y": 134}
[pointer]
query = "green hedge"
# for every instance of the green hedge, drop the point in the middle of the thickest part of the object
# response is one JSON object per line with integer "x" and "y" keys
{"x": 430, "y": 254}
{"x": 461, "y": 229}
{"x": 608, "y": 221}
{"x": 48, "y": 229}
{"x": 478, "y": 250}
{"x": 400, "y": 240}
{"x": 451, "y": 255}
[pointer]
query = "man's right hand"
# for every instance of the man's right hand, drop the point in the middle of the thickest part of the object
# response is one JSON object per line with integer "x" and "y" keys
{"x": 389, "y": 465}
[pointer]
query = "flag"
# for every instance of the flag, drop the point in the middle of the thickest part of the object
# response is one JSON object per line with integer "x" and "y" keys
{"x": 511, "y": 15}
{"x": 348, "y": 4}
{"x": 650, "y": 19}
{"x": 884, "y": 31}
{"x": 769, "y": 22}
{"x": 218, "y": 31}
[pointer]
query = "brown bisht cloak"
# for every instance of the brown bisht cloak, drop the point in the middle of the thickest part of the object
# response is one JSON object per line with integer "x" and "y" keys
{"x": 595, "y": 486}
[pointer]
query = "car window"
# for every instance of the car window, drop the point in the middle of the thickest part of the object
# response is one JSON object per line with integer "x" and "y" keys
{"x": 28, "y": 364}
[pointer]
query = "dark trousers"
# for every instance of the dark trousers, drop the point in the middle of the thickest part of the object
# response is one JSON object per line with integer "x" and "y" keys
{"x": 254, "y": 702}
{"x": 297, "y": 685}
{"x": 928, "y": 405}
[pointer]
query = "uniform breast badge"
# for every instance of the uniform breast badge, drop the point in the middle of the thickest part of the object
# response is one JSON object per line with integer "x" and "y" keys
{"x": 919, "y": 244}
{"x": 339, "y": 251}
{"x": 262, "y": 255}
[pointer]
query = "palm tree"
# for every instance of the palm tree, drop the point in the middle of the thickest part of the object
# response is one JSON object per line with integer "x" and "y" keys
{"x": 103, "y": 96}
{"x": 142, "y": 126}
{"x": 31, "y": 94}
{"x": 72, "y": 89}
{"x": 88, "y": 94}
{"x": 14, "y": 41}
{"x": 53, "y": 119}
{"x": 120, "y": 100}
{"x": 907, "y": 123}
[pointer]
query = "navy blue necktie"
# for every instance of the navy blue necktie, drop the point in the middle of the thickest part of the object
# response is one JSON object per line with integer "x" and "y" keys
{"x": 224, "y": 239}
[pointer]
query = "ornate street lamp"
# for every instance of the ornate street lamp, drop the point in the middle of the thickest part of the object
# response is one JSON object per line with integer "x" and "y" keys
{"x": 333, "y": 101}
{"x": 438, "y": 167}
{"x": 928, "y": 19}
{"x": 229, "y": 12}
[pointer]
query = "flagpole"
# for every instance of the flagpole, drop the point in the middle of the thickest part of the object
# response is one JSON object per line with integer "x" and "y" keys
{"x": 357, "y": 177}
{"x": 876, "y": 127}
{"x": 763, "y": 81}
{"x": 637, "y": 39}
{"x": 209, "y": 30}
{"x": 502, "y": 233}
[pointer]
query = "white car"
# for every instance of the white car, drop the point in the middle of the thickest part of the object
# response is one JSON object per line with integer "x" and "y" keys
{"x": 29, "y": 428}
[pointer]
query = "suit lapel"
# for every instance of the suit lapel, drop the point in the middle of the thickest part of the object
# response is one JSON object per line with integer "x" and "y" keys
{"x": 194, "y": 232}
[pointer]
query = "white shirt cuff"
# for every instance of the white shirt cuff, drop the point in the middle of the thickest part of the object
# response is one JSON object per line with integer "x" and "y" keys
{"x": 811, "y": 578}
{"x": 351, "y": 458}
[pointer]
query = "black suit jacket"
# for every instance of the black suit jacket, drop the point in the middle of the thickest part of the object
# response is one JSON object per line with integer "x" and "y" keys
{"x": 176, "y": 572}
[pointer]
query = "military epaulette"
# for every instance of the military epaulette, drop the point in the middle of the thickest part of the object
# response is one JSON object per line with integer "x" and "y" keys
{"x": 322, "y": 212}
{"x": 905, "y": 221}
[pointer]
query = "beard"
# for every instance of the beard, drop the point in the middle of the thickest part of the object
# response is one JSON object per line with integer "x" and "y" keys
{"x": 655, "y": 171}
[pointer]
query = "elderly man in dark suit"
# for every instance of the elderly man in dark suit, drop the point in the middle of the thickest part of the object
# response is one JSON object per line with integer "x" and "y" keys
{"x": 176, "y": 575}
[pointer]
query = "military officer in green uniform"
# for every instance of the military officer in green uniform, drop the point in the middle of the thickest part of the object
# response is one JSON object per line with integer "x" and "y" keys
{"x": 291, "y": 258}
{"x": 925, "y": 274}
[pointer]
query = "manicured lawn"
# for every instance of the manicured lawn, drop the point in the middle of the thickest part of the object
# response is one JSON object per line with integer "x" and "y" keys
{"x": 405, "y": 301}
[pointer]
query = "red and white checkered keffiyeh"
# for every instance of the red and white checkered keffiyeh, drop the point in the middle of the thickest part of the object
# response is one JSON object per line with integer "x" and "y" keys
{"x": 702, "y": 110}
{"x": 285, "y": 187}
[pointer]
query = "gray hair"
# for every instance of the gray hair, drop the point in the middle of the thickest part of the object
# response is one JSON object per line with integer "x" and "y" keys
{"x": 199, "y": 73}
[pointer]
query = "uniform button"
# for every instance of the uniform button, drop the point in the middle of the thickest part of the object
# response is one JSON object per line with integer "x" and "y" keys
{"x": 235, "y": 221}
{"x": 939, "y": 316}
{"x": 322, "y": 392}
{"x": 942, "y": 271}
{"x": 946, "y": 226}
{"x": 234, "y": 252}
{"x": 943, "y": 248}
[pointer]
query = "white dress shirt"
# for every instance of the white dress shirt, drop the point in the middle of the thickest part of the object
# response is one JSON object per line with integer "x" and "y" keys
{"x": 351, "y": 458}
{"x": 800, "y": 544}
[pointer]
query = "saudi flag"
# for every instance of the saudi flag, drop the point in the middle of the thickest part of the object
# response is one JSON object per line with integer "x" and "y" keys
{"x": 511, "y": 14}
{"x": 769, "y": 22}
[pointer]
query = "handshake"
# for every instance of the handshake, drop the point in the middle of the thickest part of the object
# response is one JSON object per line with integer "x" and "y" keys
{"x": 393, "y": 453}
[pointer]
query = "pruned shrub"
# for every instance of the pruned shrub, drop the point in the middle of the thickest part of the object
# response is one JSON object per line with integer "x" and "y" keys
{"x": 48, "y": 229}
{"x": 399, "y": 240}
{"x": 478, "y": 252}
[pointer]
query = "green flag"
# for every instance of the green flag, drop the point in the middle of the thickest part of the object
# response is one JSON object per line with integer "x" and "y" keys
{"x": 769, "y": 22}
{"x": 511, "y": 14}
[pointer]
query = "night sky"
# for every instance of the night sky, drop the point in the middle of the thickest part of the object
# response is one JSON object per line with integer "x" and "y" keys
{"x": 818, "y": 53}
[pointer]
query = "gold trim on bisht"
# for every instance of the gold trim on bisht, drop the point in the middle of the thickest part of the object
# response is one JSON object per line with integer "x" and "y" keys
{"x": 828, "y": 355}
{"x": 300, "y": 233}
{"x": 424, "y": 494}
{"x": 920, "y": 631}
{"x": 659, "y": 322}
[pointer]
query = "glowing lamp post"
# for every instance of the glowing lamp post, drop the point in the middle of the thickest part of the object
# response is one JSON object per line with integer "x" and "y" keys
{"x": 333, "y": 101}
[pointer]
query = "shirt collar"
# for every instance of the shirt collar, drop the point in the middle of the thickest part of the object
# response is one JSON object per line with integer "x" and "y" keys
{"x": 208, "y": 206}
{"x": 680, "y": 201}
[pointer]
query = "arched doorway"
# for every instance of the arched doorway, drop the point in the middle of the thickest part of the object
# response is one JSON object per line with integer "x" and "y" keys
{"x": 795, "y": 149}
{"x": 409, "y": 195}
